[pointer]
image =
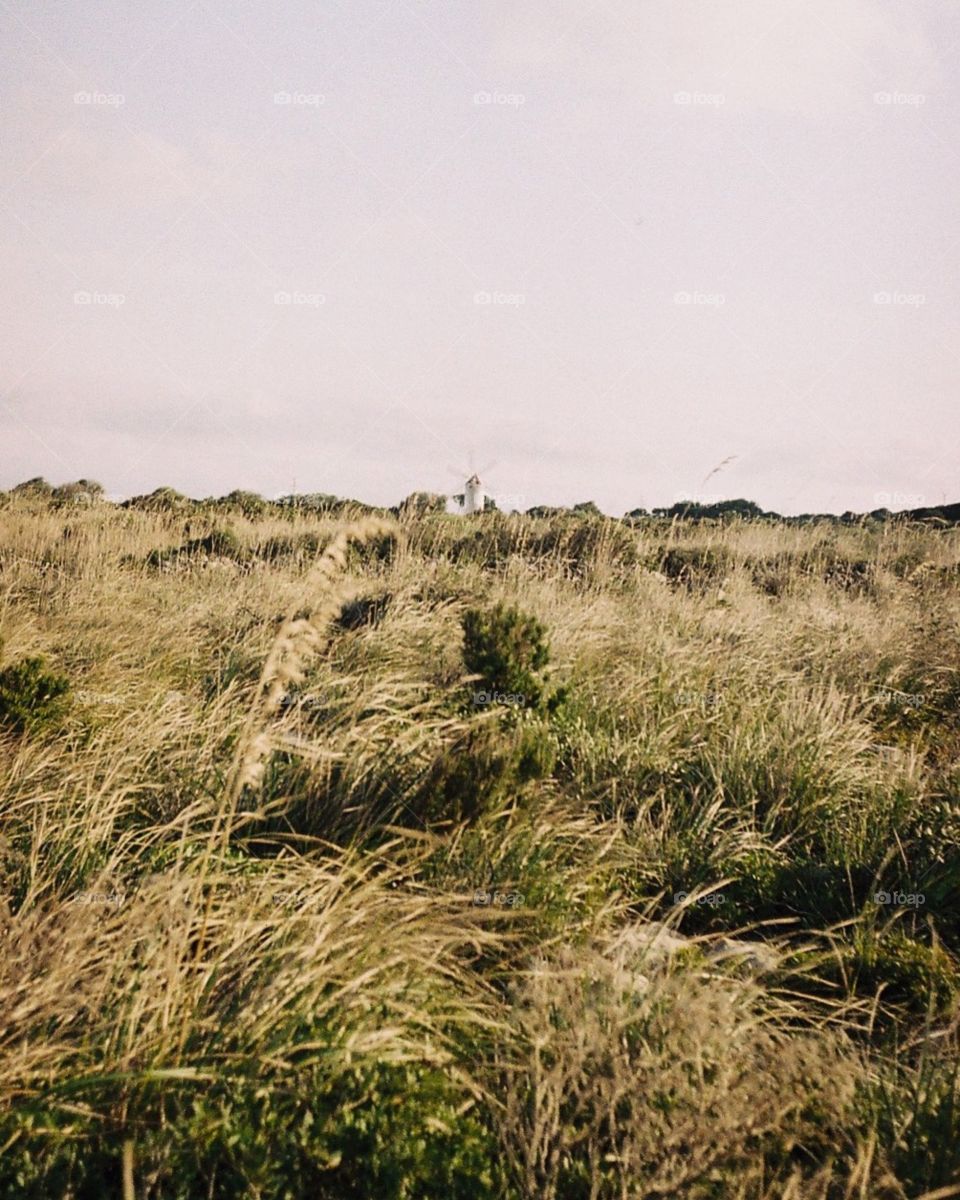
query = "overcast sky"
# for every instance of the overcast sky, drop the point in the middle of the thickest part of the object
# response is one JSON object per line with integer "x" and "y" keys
{"x": 591, "y": 249}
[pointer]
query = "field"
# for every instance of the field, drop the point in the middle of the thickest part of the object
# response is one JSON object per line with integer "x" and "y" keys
{"x": 503, "y": 857}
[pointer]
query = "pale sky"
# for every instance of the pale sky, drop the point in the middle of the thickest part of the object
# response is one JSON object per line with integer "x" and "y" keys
{"x": 591, "y": 249}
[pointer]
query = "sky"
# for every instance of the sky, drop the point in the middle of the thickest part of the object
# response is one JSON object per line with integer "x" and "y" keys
{"x": 591, "y": 250}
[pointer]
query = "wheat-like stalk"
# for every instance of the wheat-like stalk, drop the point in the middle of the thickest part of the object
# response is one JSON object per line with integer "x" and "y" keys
{"x": 298, "y": 638}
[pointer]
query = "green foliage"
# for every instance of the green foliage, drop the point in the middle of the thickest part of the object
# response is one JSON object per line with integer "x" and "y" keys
{"x": 82, "y": 492}
{"x": 312, "y": 502}
{"x": 396, "y": 1131}
{"x": 249, "y": 503}
{"x": 906, "y": 972}
{"x": 916, "y": 1111}
{"x": 278, "y": 548}
{"x": 363, "y": 611}
{"x": 694, "y": 566}
{"x": 420, "y": 504}
{"x": 37, "y": 488}
{"x": 219, "y": 543}
{"x": 32, "y": 699}
{"x": 485, "y": 767}
{"x": 692, "y": 510}
{"x": 161, "y": 499}
{"x": 508, "y": 650}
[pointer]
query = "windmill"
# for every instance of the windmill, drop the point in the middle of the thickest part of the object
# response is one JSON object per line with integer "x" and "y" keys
{"x": 473, "y": 498}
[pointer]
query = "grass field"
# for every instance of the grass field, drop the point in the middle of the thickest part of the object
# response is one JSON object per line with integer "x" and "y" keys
{"x": 332, "y": 875}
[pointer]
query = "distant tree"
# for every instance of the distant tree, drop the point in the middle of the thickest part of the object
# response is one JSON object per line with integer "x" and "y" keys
{"x": 546, "y": 510}
{"x": 36, "y": 487}
{"x": 251, "y": 504}
{"x": 81, "y": 491}
{"x": 693, "y": 510}
{"x": 421, "y": 503}
{"x": 489, "y": 504}
{"x": 587, "y": 508}
{"x": 161, "y": 499}
{"x": 313, "y": 502}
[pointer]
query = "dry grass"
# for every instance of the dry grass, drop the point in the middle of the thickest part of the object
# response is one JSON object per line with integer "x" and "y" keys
{"x": 241, "y": 951}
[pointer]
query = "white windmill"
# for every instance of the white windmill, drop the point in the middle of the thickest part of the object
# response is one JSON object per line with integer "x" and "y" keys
{"x": 474, "y": 496}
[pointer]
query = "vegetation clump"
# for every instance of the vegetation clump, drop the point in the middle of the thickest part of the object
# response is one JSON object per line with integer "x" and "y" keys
{"x": 33, "y": 699}
{"x": 507, "y": 650}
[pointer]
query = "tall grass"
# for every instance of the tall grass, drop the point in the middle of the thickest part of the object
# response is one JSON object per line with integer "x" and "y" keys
{"x": 254, "y": 945}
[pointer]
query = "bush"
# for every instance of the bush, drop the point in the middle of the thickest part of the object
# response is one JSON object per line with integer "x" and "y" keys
{"x": 507, "y": 649}
{"x": 36, "y": 488}
{"x": 419, "y": 504}
{"x": 219, "y": 543}
{"x": 485, "y": 768}
{"x": 31, "y": 698}
{"x": 161, "y": 499}
{"x": 694, "y": 566}
{"x": 82, "y": 492}
{"x": 280, "y": 548}
{"x": 249, "y": 503}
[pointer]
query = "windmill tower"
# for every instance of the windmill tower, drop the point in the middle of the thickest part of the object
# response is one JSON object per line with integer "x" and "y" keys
{"x": 474, "y": 497}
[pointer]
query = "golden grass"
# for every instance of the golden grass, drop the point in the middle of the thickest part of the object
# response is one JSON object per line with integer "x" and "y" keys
{"x": 183, "y": 918}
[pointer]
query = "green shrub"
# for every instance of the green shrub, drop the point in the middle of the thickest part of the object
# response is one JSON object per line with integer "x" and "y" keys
{"x": 249, "y": 503}
{"x": 392, "y": 1131}
{"x": 694, "y": 566}
{"x": 363, "y": 611}
{"x": 31, "y": 698}
{"x": 82, "y": 492}
{"x": 161, "y": 499}
{"x": 908, "y": 973}
{"x": 420, "y": 504}
{"x": 507, "y": 649}
{"x": 916, "y": 1111}
{"x": 36, "y": 488}
{"x": 487, "y": 766}
{"x": 280, "y": 548}
{"x": 219, "y": 543}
